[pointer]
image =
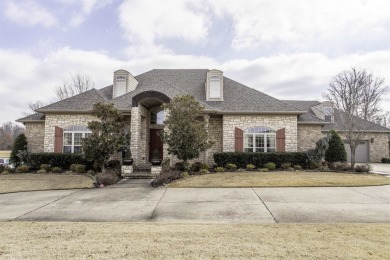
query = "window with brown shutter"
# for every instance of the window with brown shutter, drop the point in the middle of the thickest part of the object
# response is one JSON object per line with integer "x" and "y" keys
{"x": 239, "y": 139}
{"x": 281, "y": 140}
{"x": 58, "y": 139}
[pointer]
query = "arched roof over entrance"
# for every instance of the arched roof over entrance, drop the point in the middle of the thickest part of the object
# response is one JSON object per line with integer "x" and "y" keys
{"x": 150, "y": 99}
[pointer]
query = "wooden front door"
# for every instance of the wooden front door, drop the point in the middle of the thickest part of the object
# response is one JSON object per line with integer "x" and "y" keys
{"x": 155, "y": 143}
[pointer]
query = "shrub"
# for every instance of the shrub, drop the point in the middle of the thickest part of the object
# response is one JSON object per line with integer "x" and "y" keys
{"x": 286, "y": 166}
{"x": 196, "y": 167}
{"x": 220, "y": 169}
{"x": 243, "y": 159}
{"x": 166, "y": 176}
{"x": 205, "y": 166}
{"x": 250, "y": 167}
{"x": 363, "y": 167}
{"x": 5, "y": 172}
{"x": 2, "y": 168}
{"x": 185, "y": 175}
{"x": 297, "y": 167}
{"x": 22, "y": 169}
{"x": 113, "y": 164}
{"x": 336, "y": 150}
{"x": 107, "y": 178}
{"x": 270, "y": 166}
{"x": 9, "y": 169}
{"x": 79, "y": 168}
{"x": 42, "y": 171}
{"x": 341, "y": 166}
{"x": 91, "y": 172}
{"x": 46, "y": 167}
{"x": 180, "y": 166}
{"x": 241, "y": 170}
{"x": 385, "y": 160}
{"x": 204, "y": 171}
{"x": 62, "y": 160}
{"x": 263, "y": 170}
{"x": 56, "y": 170}
{"x": 291, "y": 169}
{"x": 73, "y": 167}
{"x": 231, "y": 167}
{"x": 20, "y": 144}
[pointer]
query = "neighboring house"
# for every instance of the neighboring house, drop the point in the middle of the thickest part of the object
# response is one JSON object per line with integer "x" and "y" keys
{"x": 238, "y": 118}
{"x": 4, "y": 157}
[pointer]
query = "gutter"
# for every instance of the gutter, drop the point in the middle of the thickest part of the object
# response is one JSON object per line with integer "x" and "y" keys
{"x": 255, "y": 112}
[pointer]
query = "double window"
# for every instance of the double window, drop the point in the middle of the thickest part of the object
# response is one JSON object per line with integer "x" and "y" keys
{"x": 259, "y": 140}
{"x": 72, "y": 138}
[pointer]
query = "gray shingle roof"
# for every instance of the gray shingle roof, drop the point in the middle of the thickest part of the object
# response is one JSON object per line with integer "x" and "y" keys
{"x": 80, "y": 102}
{"x": 237, "y": 97}
{"x": 362, "y": 124}
{"x": 32, "y": 118}
{"x": 306, "y": 106}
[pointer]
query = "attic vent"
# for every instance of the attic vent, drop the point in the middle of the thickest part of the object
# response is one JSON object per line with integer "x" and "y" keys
{"x": 120, "y": 78}
{"x": 328, "y": 112}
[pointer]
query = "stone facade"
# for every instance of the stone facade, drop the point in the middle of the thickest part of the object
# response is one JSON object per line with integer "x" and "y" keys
{"x": 215, "y": 135}
{"x": 35, "y": 133}
{"x": 127, "y": 170}
{"x": 63, "y": 121}
{"x": 308, "y": 135}
{"x": 230, "y": 122}
{"x": 156, "y": 169}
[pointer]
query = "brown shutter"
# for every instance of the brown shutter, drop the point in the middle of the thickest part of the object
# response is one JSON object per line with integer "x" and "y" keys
{"x": 58, "y": 139}
{"x": 281, "y": 140}
{"x": 239, "y": 140}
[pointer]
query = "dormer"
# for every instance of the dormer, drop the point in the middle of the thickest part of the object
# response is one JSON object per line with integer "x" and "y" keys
{"x": 123, "y": 83}
{"x": 324, "y": 111}
{"x": 214, "y": 85}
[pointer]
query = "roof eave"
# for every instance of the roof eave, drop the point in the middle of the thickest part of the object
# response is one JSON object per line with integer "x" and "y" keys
{"x": 64, "y": 111}
{"x": 30, "y": 121}
{"x": 364, "y": 131}
{"x": 256, "y": 112}
{"x": 312, "y": 123}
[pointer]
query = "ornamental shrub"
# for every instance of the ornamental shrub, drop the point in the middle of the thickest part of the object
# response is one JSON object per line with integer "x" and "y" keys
{"x": 41, "y": 171}
{"x": 2, "y": 168}
{"x": 336, "y": 150}
{"x": 205, "y": 166}
{"x": 241, "y": 160}
{"x": 56, "y": 170}
{"x": 250, "y": 167}
{"x": 20, "y": 144}
{"x": 62, "y": 160}
{"x": 231, "y": 167}
{"x": 80, "y": 168}
{"x": 363, "y": 167}
{"x": 270, "y": 166}
{"x": 107, "y": 178}
{"x": 196, "y": 166}
{"x": 203, "y": 171}
{"x": 286, "y": 166}
{"x": 22, "y": 169}
{"x": 220, "y": 169}
{"x": 46, "y": 167}
{"x": 385, "y": 160}
{"x": 297, "y": 167}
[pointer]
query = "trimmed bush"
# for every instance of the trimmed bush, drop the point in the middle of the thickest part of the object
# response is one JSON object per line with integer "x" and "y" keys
{"x": 91, "y": 172}
{"x": 5, "y": 172}
{"x": 2, "y": 168}
{"x": 107, "y": 178}
{"x": 363, "y": 167}
{"x": 46, "y": 167}
{"x": 20, "y": 144}
{"x": 231, "y": 167}
{"x": 220, "y": 169}
{"x": 336, "y": 150}
{"x": 270, "y": 166}
{"x": 259, "y": 159}
{"x": 9, "y": 169}
{"x": 41, "y": 171}
{"x": 62, "y": 160}
{"x": 185, "y": 175}
{"x": 250, "y": 167}
{"x": 56, "y": 170}
{"x": 341, "y": 166}
{"x": 73, "y": 167}
{"x": 205, "y": 166}
{"x": 22, "y": 169}
{"x": 385, "y": 160}
{"x": 79, "y": 168}
{"x": 286, "y": 166}
{"x": 196, "y": 167}
{"x": 180, "y": 166}
{"x": 297, "y": 167}
{"x": 203, "y": 171}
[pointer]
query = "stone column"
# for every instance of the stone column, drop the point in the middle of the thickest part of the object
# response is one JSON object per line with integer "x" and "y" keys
{"x": 206, "y": 124}
{"x": 135, "y": 130}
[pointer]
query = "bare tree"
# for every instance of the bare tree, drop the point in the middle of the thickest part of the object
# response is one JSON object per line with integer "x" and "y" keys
{"x": 8, "y": 133}
{"x": 355, "y": 93}
{"x": 33, "y": 105}
{"x": 78, "y": 83}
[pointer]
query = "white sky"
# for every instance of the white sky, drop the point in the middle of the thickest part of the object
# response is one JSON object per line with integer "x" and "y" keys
{"x": 287, "y": 49}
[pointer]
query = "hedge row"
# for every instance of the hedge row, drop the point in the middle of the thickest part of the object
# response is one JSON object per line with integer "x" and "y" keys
{"x": 260, "y": 159}
{"x": 62, "y": 160}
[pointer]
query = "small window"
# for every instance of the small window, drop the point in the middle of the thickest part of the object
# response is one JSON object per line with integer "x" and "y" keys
{"x": 72, "y": 138}
{"x": 157, "y": 118}
{"x": 120, "y": 78}
{"x": 215, "y": 87}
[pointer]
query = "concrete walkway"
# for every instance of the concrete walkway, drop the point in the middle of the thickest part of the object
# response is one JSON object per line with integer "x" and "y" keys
{"x": 136, "y": 200}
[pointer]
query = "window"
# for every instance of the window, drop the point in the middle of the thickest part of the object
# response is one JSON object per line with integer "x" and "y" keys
{"x": 259, "y": 140}
{"x": 72, "y": 138}
{"x": 215, "y": 87}
{"x": 157, "y": 117}
{"x": 120, "y": 78}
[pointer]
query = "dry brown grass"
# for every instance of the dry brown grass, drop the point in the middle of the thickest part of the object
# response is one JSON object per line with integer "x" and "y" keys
{"x": 28, "y": 182}
{"x": 280, "y": 179}
{"x": 29, "y": 240}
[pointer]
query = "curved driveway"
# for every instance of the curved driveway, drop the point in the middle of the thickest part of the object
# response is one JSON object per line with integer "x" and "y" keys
{"x": 135, "y": 200}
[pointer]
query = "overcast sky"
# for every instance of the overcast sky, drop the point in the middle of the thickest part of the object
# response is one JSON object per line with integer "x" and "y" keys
{"x": 287, "y": 49}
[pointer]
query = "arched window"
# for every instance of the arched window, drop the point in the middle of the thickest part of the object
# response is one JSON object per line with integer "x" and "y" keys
{"x": 73, "y": 136}
{"x": 259, "y": 140}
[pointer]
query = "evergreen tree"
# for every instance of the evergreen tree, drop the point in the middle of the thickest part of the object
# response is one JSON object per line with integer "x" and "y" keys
{"x": 186, "y": 135}
{"x": 336, "y": 150}
{"x": 20, "y": 144}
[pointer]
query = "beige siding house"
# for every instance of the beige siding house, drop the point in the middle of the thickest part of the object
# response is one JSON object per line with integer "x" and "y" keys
{"x": 238, "y": 118}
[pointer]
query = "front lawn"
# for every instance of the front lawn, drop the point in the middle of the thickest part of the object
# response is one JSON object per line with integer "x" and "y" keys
{"x": 280, "y": 179}
{"x": 29, "y": 182}
{"x": 40, "y": 240}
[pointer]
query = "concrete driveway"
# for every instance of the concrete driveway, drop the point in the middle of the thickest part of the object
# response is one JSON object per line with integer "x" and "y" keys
{"x": 382, "y": 168}
{"x": 135, "y": 200}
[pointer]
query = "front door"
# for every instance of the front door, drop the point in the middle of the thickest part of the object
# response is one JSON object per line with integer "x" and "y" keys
{"x": 155, "y": 143}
